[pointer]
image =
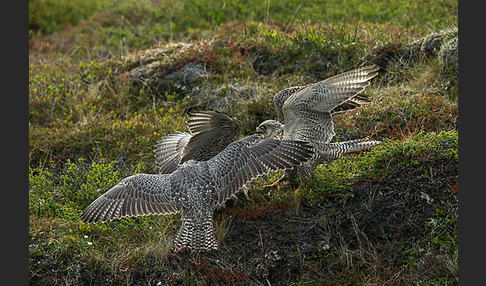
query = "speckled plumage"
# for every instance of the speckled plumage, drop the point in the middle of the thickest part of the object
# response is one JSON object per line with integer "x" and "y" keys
{"x": 196, "y": 189}
{"x": 211, "y": 132}
{"x": 305, "y": 113}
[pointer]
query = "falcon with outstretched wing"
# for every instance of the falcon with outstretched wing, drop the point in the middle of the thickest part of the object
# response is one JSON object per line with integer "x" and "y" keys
{"x": 305, "y": 113}
{"x": 197, "y": 189}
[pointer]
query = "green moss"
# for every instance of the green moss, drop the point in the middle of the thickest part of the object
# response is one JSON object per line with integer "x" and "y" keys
{"x": 443, "y": 231}
{"x": 418, "y": 154}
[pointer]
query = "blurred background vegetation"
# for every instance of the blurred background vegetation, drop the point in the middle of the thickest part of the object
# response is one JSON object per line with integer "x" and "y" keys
{"x": 121, "y": 26}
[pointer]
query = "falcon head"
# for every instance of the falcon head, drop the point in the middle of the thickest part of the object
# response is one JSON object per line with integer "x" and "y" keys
{"x": 270, "y": 129}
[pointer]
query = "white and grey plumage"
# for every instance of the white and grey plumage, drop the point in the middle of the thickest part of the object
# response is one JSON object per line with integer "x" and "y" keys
{"x": 196, "y": 189}
{"x": 305, "y": 113}
{"x": 211, "y": 132}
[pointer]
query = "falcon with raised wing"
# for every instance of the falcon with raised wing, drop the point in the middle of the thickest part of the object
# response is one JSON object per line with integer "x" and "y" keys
{"x": 305, "y": 113}
{"x": 197, "y": 189}
{"x": 211, "y": 132}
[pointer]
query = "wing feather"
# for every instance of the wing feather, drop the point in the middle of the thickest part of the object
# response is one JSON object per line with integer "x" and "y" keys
{"x": 208, "y": 120}
{"x": 137, "y": 195}
{"x": 247, "y": 159}
{"x": 307, "y": 112}
{"x": 212, "y": 131}
{"x": 331, "y": 92}
{"x": 168, "y": 151}
{"x": 355, "y": 102}
{"x": 280, "y": 97}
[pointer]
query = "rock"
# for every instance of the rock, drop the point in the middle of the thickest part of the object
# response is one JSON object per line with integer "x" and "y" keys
{"x": 449, "y": 52}
{"x": 431, "y": 43}
{"x": 442, "y": 44}
{"x": 183, "y": 79}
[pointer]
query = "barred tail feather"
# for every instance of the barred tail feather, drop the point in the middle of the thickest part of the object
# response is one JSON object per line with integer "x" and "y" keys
{"x": 196, "y": 235}
{"x": 332, "y": 151}
{"x": 358, "y": 145}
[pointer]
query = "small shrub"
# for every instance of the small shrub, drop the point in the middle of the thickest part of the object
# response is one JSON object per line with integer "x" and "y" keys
{"x": 443, "y": 231}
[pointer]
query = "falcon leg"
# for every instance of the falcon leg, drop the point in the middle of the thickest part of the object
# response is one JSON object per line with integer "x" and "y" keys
{"x": 305, "y": 172}
{"x": 277, "y": 183}
{"x": 287, "y": 174}
{"x": 245, "y": 191}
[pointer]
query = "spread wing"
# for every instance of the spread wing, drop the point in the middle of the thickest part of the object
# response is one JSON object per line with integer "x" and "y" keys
{"x": 168, "y": 151}
{"x": 137, "y": 195}
{"x": 307, "y": 112}
{"x": 212, "y": 131}
{"x": 251, "y": 157}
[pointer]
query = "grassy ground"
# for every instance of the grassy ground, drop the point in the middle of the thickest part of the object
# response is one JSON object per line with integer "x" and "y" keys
{"x": 108, "y": 79}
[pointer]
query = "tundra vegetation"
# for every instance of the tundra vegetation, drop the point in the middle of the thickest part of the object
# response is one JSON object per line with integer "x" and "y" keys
{"x": 107, "y": 79}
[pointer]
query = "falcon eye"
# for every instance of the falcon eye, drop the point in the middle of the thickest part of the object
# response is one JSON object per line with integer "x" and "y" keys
{"x": 263, "y": 127}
